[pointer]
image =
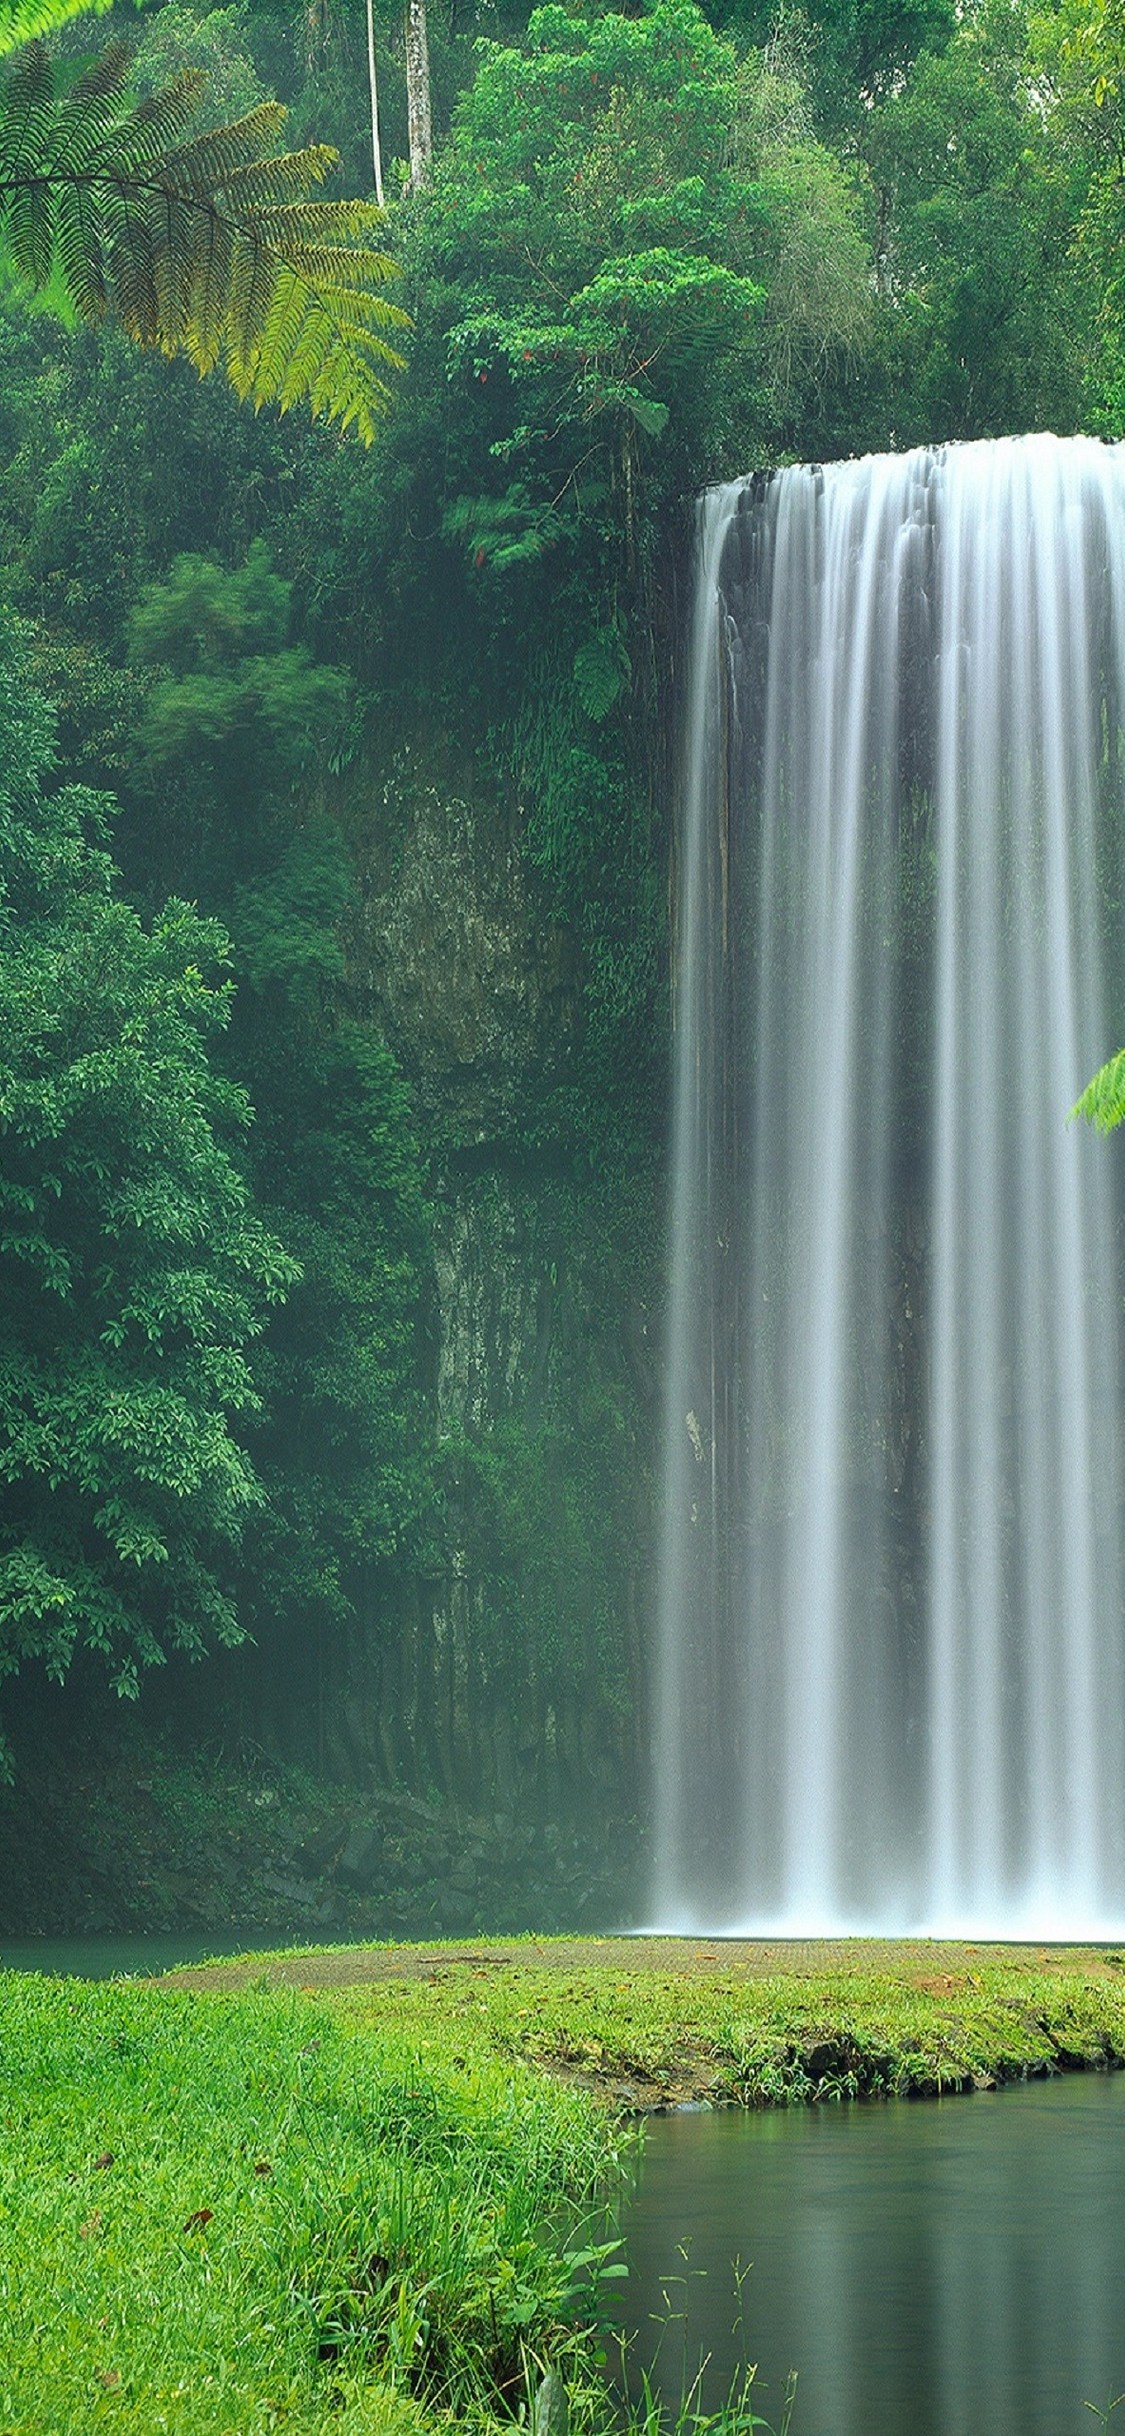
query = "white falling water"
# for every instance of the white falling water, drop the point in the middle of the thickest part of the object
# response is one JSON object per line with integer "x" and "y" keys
{"x": 891, "y": 1681}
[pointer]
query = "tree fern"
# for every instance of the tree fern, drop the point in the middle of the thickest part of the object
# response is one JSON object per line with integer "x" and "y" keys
{"x": 1103, "y": 1100}
{"x": 210, "y": 246}
{"x": 25, "y": 20}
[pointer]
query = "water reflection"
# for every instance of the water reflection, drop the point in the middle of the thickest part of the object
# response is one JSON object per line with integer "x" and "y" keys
{"x": 929, "y": 2270}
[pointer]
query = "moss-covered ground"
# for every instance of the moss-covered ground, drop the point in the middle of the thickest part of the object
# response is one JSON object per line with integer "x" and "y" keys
{"x": 353, "y": 2190}
{"x": 654, "y": 2021}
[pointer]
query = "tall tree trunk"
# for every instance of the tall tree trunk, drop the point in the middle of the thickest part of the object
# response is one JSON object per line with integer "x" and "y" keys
{"x": 376, "y": 153}
{"x": 419, "y": 124}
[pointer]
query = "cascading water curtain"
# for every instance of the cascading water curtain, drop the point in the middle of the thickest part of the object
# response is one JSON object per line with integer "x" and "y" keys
{"x": 891, "y": 1674}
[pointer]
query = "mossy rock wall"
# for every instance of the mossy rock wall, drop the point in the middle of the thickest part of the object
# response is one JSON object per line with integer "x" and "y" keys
{"x": 514, "y": 1675}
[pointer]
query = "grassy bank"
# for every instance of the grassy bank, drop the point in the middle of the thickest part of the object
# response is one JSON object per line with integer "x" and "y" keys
{"x": 347, "y": 2191}
{"x": 248, "y": 2214}
{"x": 654, "y": 2021}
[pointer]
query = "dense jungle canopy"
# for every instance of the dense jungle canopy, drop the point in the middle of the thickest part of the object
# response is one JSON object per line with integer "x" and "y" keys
{"x": 337, "y": 744}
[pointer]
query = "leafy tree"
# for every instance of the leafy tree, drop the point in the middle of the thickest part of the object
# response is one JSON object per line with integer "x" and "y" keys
{"x": 1087, "y": 63}
{"x": 984, "y": 317}
{"x": 610, "y": 213}
{"x": 177, "y": 36}
{"x": 219, "y": 638}
{"x": 596, "y": 273}
{"x": 134, "y": 1272}
{"x": 235, "y": 716}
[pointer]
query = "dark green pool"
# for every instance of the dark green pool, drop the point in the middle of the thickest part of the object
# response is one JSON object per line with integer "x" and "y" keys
{"x": 950, "y": 2269}
{"x": 138, "y": 1952}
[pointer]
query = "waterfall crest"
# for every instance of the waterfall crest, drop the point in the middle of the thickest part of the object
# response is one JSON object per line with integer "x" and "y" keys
{"x": 891, "y": 1677}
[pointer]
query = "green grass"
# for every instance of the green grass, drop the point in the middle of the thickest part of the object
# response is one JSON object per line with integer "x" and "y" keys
{"x": 243, "y": 2215}
{"x": 862, "y": 2031}
{"x": 237, "y": 2207}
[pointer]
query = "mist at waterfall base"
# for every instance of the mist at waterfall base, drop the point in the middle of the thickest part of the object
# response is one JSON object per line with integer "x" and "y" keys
{"x": 891, "y": 1681}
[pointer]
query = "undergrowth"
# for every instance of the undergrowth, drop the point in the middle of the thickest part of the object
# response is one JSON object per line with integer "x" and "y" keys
{"x": 238, "y": 2215}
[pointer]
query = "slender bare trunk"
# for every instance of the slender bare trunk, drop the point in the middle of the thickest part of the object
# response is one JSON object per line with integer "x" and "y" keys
{"x": 376, "y": 154}
{"x": 419, "y": 124}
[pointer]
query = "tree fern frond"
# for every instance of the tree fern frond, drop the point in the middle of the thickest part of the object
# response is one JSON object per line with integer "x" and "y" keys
{"x": 281, "y": 175}
{"x": 88, "y": 113}
{"x": 1103, "y": 1101}
{"x": 79, "y": 241}
{"x": 176, "y": 235}
{"x": 331, "y": 267}
{"x": 131, "y": 273}
{"x": 219, "y": 155}
{"x": 145, "y": 138}
{"x": 209, "y": 247}
{"x": 103, "y": 77}
{"x": 335, "y": 222}
{"x": 274, "y": 343}
{"x": 28, "y": 113}
{"x": 209, "y": 301}
{"x": 295, "y": 236}
{"x": 31, "y": 231}
{"x": 27, "y": 20}
{"x": 252, "y": 279}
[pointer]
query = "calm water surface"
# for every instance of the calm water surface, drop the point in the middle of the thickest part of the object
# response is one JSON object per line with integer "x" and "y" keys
{"x": 139, "y": 1952}
{"x": 946, "y": 2269}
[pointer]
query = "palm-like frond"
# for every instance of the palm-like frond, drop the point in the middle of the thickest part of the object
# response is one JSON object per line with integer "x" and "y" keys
{"x": 1103, "y": 1100}
{"x": 26, "y": 20}
{"x": 210, "y": 246}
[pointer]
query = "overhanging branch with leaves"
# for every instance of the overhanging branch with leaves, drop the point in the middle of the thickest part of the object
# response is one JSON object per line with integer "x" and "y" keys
{"x": 211, "y": 246}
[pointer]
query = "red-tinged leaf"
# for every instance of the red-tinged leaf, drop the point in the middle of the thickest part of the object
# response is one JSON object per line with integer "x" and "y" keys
{"x": 198, "y": 2220}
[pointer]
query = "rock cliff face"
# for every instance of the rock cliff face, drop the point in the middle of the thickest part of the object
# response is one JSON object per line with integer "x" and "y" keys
{"x": 516, "y": 1674}
{"x": 475, "y": 988}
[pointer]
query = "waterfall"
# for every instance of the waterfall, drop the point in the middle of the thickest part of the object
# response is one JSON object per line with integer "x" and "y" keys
{"x": 890, "y": 1689}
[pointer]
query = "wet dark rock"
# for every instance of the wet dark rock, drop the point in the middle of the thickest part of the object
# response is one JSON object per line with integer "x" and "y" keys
{"x": 293, "y": 1890}
{"x": 317, "y": 1853}
{"x": 361, "y": 1861}
{"x": 828, "y": 2061}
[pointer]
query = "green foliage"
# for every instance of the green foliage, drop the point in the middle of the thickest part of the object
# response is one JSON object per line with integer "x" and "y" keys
{"x": 205, "y": 244}
{"x": 27, "y": 20}
{"x": 134, "y": 1271}
{"x": 229, "y": 2211}
{"x": 984, "y": 318}
{"x": 602, "y": 218}
{"x": 1083, "y": 54}
{"x": 592, "y": 276}
{"x": 343, "y": 1444}
{"x": 1102, "y": 1103}
{"x": 215, "y": 43}
{"x": 116, "y": 463}
{"x": 233, "y": 687}
{"x": 601, "y": 672}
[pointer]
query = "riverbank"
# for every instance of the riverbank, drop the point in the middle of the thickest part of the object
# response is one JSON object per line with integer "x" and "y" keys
{"x": 353, "y": 2190}
{"x": 651, "y": 2022}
